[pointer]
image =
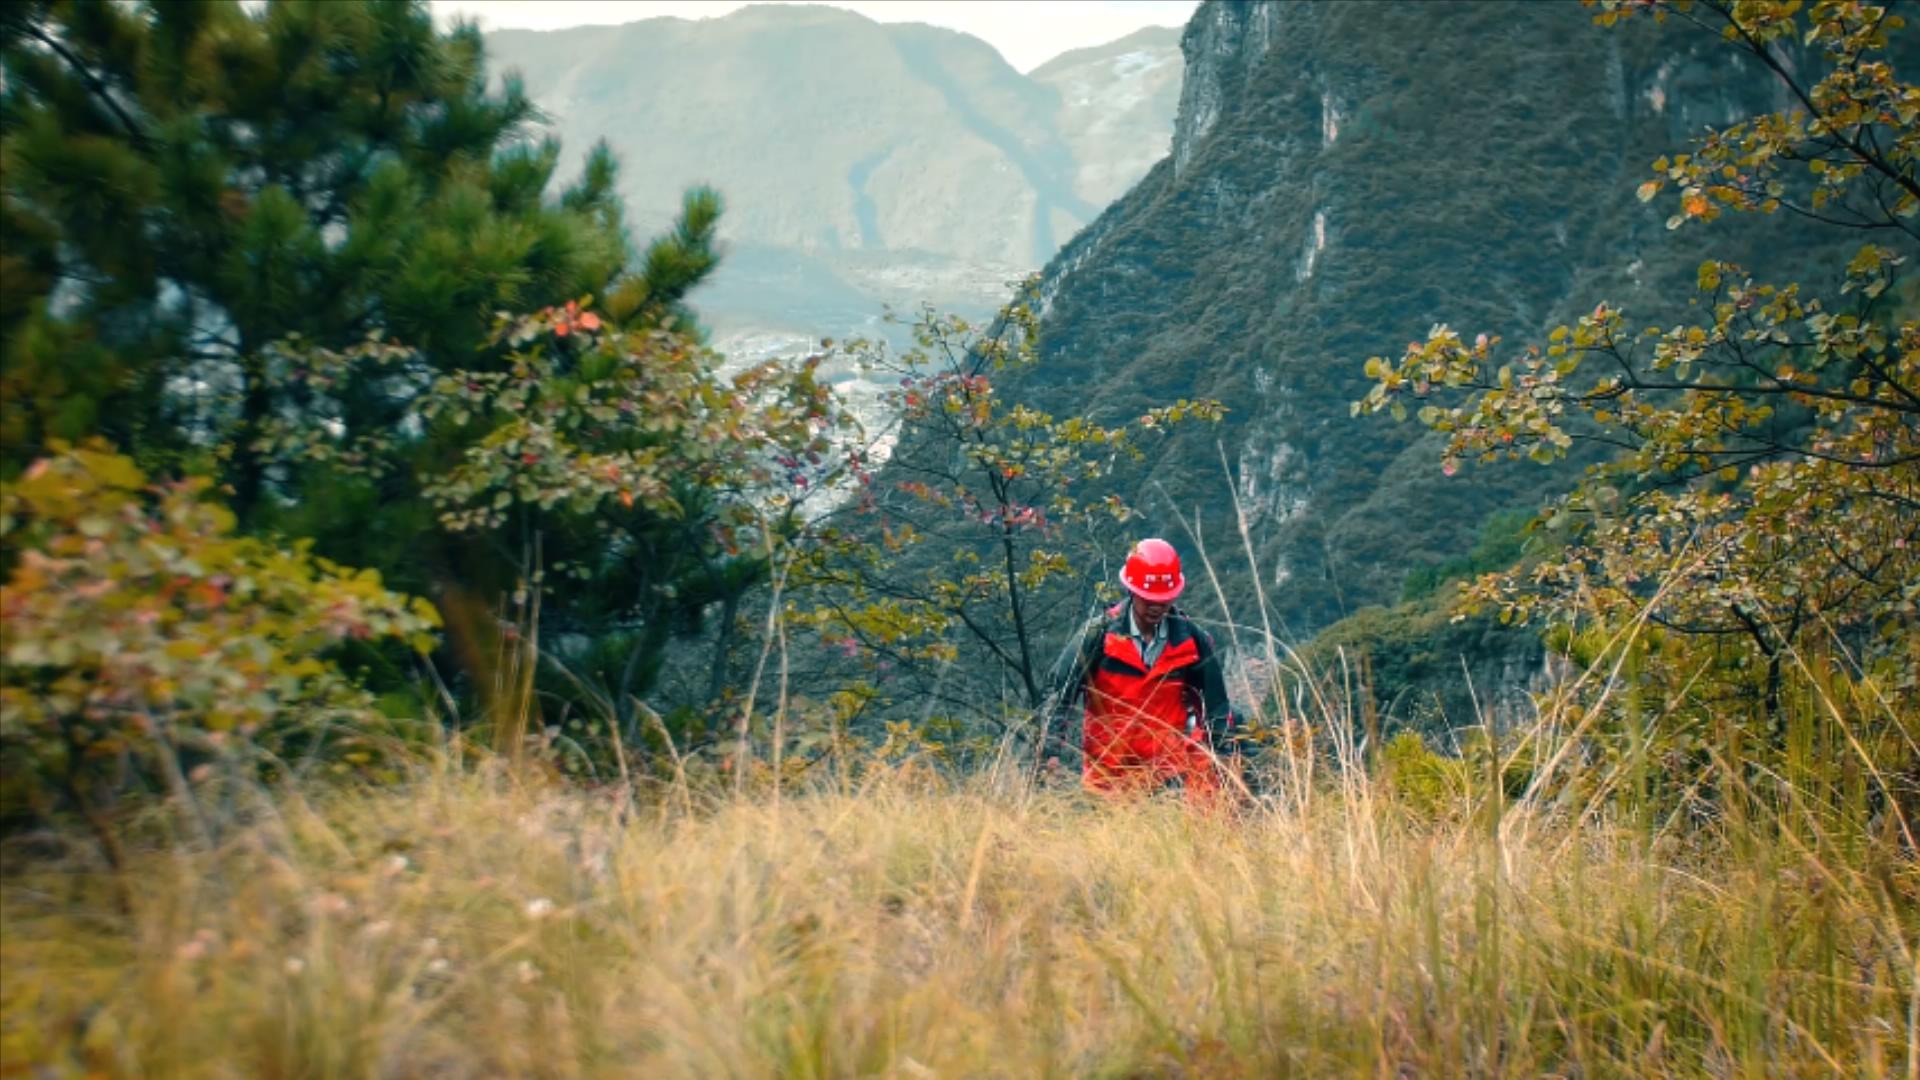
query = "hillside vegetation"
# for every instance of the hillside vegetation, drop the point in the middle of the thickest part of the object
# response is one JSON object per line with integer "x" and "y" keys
{"x": 1345, "y": 176}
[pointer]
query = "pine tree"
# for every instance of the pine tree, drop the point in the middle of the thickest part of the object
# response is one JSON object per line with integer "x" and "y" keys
{"x": 187, "y": 182}
{"x": 195, "y": 194}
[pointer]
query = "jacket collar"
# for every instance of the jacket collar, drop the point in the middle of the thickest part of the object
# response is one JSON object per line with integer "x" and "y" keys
{"x": 1176, "y": 625}
{"x": 1121, "y": 645}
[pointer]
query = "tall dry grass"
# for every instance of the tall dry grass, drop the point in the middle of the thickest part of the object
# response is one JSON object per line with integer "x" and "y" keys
{"x": 889, "y": 919}
{"x": 468, "y": 924}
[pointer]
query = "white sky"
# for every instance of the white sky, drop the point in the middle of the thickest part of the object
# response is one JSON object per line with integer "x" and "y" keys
{"x": 1028, "y": 33}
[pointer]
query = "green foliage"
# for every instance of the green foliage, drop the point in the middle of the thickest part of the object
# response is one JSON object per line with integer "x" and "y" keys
{"x": 1773, "y": 453}
{"x": 1843, "y": 153}
{"x": 272, "y": 244}
{"x": 1427, "y": 783}
{"x": 185, "y": 183}
{"x": 1672, "y": 723}
{"x": 1502, "y": 540}
{"x": 1427, "y": 669}
{"x": 618, "y": 474}
{"x": 139, "y": 626}
{"x": 576, "y": 424}
{"x": 1766, "y": 466}
{"x": 1443, "y": 188}
{"x": 996, "y": 514}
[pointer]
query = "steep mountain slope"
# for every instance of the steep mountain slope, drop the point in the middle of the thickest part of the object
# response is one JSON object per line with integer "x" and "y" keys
{"x": 862, "y": 163}
{"x": 1117, "y": 103}
{"x": 1343, "y": 176}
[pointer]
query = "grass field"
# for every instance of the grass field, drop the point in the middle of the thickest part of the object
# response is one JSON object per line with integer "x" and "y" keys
{"x": 902, "y": 925}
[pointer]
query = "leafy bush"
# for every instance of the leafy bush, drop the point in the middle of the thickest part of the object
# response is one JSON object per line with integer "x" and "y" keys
{"x": 1426, "y": 782}
{"x": 605, "y": 484}
{"x": 138, "y": 625}
{"x": 1502, "y": 540}
{"x": 1767, "y": 459}
{"x": 1740, "y": 581}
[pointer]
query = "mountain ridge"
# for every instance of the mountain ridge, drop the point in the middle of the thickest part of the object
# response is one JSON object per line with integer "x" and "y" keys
{"x": 1146, "y": 36}
{"x": 883, "y": 163}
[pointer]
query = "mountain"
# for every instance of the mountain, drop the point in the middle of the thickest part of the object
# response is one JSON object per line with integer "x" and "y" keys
{"x": 1117, "y": 103}
{"x": 862, "y": 163}
{"x": 1342, "y": 177}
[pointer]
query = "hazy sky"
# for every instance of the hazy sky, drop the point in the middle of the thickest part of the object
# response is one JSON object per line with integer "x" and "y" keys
{"x": 1027, "y": 32}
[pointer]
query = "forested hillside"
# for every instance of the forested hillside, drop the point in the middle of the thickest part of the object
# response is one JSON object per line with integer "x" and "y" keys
{"x": 1343, "y": 177}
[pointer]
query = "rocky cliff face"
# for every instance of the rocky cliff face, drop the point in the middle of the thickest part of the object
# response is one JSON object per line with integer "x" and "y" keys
{"x": 1342, "y": 176}
{"x": 1224, "y": 44}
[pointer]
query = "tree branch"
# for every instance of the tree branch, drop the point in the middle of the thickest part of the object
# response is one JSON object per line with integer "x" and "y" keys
{"x": 95, "y": 85}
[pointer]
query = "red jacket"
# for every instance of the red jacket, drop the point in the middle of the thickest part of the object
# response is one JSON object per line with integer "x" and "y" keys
{"x": 1148, "y": 726}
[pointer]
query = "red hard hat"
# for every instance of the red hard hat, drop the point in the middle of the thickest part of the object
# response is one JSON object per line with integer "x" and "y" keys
{"x": 1153, "y": 571}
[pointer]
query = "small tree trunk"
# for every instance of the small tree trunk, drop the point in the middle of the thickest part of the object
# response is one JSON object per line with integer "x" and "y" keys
{"x": 249, "y": 471}
{"x": 1776, "y": 723}
{"x": 98, "y": 822}
{"x": 177, "y": 785}
{"x": 722, "y": 645}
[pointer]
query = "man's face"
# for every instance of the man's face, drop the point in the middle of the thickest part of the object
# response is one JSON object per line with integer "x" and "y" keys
{"x": 1148, "y": 613}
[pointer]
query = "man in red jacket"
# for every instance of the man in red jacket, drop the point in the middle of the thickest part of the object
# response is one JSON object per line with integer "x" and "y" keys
{"x": 1156, "y": 698}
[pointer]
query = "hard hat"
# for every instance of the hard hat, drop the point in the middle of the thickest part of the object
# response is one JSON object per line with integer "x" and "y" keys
{"x": 1153, "y": 571}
